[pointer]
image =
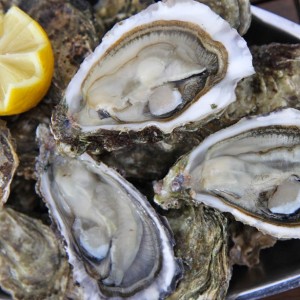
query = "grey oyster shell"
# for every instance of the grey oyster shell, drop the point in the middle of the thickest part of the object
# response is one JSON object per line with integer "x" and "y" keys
{"x": 118, "y": 245}
{"x": 236, "y": 12}
{"x": 33, "y": 264}
{"x": 8, "y": 161}
{"x": 98, "y": 114}
{"x": 202, "y": 243}
{"x": 56, "y": 17}
{"x": 250, "y": 169}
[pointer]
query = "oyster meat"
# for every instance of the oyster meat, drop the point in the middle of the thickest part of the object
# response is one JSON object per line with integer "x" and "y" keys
{"x": 118, "y": 246}
{"x": 250, "y": 169}
{"x": 172, "y": 64}
{"x": 33, "y": 264}
{"x": 8, "y": 161}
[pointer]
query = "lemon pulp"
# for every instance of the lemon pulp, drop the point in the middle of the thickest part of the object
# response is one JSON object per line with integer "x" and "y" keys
{"x": 26, "y": 62}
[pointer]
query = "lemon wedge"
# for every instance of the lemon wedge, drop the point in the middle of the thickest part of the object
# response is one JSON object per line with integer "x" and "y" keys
{"x": 26, "y": 62}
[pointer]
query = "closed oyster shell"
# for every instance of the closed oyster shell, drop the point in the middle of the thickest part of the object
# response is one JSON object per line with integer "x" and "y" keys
{"x": 235, "y": 12}
{"x": 202, "y": 244}
{"x": 8, "y": 161}
{"x": 208, "y": 61}
{"x": 33, "y": 264}
{"x": 250, "y": 169}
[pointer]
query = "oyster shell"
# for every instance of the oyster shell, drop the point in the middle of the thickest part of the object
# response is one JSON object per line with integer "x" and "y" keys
{"x": 250, "y": 169}
{"x": 100, "y": 215}
{"x": 235, "y": 12}
{"x": 202, "y": 243}
{"x": 178, "y": 51}
{"x": 247, "y": 244}
{"x": 8, "y": 161}
{"x": 33, "y": 264}
{"x": 275, "y": 84}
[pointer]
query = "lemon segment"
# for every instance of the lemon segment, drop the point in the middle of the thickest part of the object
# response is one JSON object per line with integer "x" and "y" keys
{"x": 26, "y": 62}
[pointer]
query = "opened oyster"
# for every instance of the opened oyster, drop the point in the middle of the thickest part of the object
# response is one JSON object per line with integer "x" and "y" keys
{"x": 250, "y": 169}
{"x": 172, "y": 64}
{"x": 276, "y": 84}
{"x": 117, "y": 244}
{"x": 8, "y": 161}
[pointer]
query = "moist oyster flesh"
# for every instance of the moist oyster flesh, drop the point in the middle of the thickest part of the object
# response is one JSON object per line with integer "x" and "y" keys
{"x": 100, "y": 215}
{"x": 154, "y": 79}
{"x": 139, "y": 90}
{"x": 250, "y": 169}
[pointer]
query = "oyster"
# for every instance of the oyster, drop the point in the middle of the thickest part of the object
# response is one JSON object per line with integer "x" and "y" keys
{"x": 202, "y": 243}
{"x": 117, "y": 244}
{"x": 8, "y": 161}
{"x": 250, "y": 169}
{"x": 172, "y": 64}
{"x": 276, "y": 84}
{"x": 33, "y": 265}
{"x": 235, "y": 12}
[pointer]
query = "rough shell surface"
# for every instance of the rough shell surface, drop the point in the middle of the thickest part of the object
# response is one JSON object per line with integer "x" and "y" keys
{"x": 8, "y": 161}
{"x": 236, "y": 12}
{"x": 202, "y": 243}
{"x": 247, "y": 244}
{"x": 33, "y": 263}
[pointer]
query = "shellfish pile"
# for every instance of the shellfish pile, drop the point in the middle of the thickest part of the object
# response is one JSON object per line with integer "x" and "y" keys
{"x": 169, "y": 84}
